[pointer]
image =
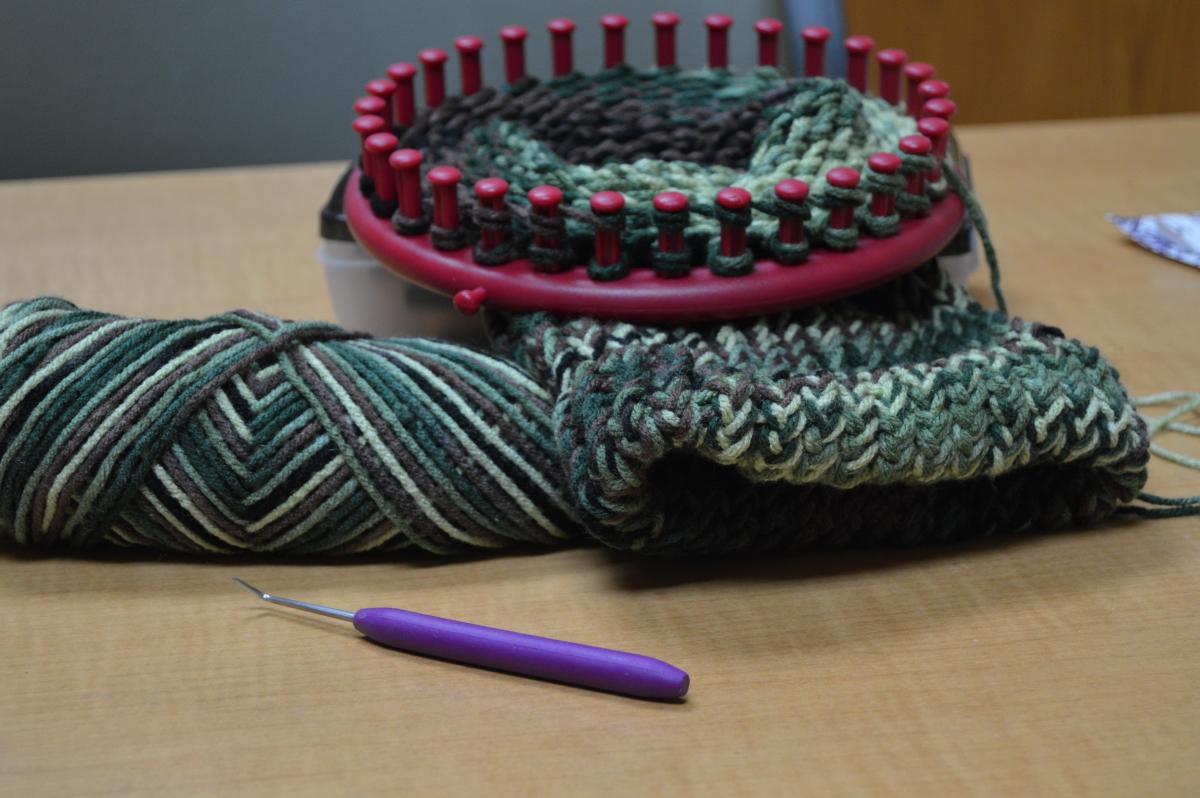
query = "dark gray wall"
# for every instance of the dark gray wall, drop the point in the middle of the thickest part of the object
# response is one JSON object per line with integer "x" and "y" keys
{"x": 123, "y": 85}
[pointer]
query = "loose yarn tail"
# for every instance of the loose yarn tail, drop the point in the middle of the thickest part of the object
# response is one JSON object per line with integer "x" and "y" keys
{"x": 1165, "y": 507}
{"x": 1186, "y": 402}
{"x": 1189, "y": 401}
{"x": 977, "y": 217}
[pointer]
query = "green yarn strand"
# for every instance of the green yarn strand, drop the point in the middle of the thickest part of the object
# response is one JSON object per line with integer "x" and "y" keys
{"x": 1186, "y": 403}
{"x": 979, "y": 220}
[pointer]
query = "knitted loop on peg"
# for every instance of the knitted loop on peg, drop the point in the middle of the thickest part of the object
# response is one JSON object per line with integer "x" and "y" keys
{"x": 672, "y": 264}
{"x": 876, "y": 183}
{"x": 730, "y": 265}
{"x": 612, "y": 222}
{"x": 782, "y": 251}
{"x": 830, "y": 197}
{"x": 448, "y": 240}
{"x": 913, "y": 164}
{"x": 936, "y": 189}
{"x": 412, "y": 225}
{"x": 549, "y": 259}
{"x": 499, "y": 220}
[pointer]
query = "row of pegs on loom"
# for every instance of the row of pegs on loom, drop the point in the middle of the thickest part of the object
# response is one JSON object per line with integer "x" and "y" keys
{"x": 397, "y": 191}
{"x": 394, "y": 98}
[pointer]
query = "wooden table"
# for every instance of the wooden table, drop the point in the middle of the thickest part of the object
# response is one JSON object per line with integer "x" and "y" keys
{"x": 1055, "y": 665}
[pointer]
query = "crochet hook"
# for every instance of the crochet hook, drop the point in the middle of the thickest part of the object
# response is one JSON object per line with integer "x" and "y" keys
{"x": 499, "y": 649}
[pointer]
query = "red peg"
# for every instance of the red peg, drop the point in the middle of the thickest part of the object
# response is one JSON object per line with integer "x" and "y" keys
{"x": 916, "y": 145}
{"x": 405, "y": 99}
{"x": 665, "y": 23}
{"x": 768, "y": 41}
{"x": 858, "y": 49}
{"x": 468, "y": 62}
{"x": 791, "y": 228}
{"x": 369, "y": 106}
{"x": 444, "y": 180}
{"x": 932, "y": 90}
{"x": 890, "y": 63}
{"x": 718, "y": 40}
{"x": 490, "y": 192}
{"x": 545, "y": 202}
{"x": 469, "y": 300}
{"x": 383, "y": 89}
{"x": 842, "y": 217}
{"x": 365, "y": 127}
{"x": 670, "y": 240}
{"x": 938, "y": 132}
{"x": 942, "y": 108}
{"x": 814, "y": 50}
{"x": 608, "y": 242}
{"x": 614, "y": 39}
{"x": 733, "y": 236}
{"x": 884, "y": 163}
{"x": 376, "y": 150}
{"x": 914, "y": 75}
{"x": 434, "y": 63}
{"x": 560, "y": 35}
{"x": 406, "y": 166}
{"x": 513, "y": 37}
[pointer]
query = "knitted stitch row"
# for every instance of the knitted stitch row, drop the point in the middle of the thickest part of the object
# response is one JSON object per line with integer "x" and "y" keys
{"x": 644, "y": 132}
{"x": 904, "y": 415}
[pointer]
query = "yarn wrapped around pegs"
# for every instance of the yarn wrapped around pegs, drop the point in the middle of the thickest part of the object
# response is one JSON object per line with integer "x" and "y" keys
{"x": 626, "y": 136}
{"x": 903, "y": 415}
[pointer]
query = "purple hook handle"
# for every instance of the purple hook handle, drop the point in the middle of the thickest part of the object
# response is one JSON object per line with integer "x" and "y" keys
{"x": 529, "y": 655}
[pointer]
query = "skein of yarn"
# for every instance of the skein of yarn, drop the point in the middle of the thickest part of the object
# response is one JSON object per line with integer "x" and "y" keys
{"x": 904, "y": 415}
{"x": 245, "y": 433}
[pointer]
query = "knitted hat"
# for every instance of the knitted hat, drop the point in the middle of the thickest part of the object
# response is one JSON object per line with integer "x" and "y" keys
{"x": 905, "y": 415}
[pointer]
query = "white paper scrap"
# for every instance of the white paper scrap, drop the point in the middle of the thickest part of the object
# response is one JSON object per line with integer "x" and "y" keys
{"x": 1172, "y": 235}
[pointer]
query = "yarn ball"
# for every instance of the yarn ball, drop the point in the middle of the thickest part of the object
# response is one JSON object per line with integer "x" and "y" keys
{"x": 904, "y": 415}
{"x": 243, "y": 432}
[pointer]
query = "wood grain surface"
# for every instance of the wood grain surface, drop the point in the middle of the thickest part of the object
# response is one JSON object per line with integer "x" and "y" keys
{"x": 1042, "y": 665}
{"x": 1029, "y": 59}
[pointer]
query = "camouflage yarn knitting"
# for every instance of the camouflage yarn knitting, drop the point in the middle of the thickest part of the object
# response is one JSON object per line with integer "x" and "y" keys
{"x": 644, "y": 132}
{"x": 904, "y": 415}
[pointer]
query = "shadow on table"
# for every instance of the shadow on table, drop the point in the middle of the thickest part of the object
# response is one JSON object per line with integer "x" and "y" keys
{"x": 761, "y": 605}
{"x": 633, "y": 571}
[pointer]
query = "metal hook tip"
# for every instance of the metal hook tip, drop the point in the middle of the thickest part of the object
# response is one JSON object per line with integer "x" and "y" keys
{"x": 319, "y": 609}
{"x": 262, "y": 595}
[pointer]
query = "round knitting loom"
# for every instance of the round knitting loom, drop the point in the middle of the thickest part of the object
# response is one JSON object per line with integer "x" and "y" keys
{"x": 660, "y": 194}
